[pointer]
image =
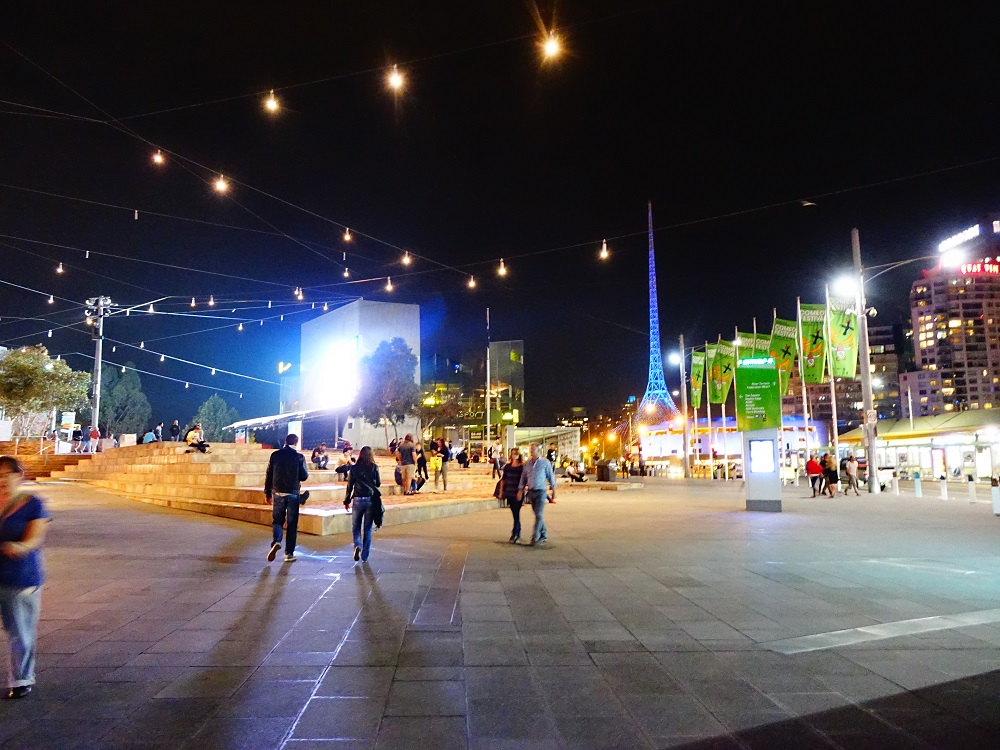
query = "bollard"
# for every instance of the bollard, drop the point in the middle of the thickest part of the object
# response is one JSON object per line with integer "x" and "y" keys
{"x": 972, "y": 490}
{"x": 995, "y": 491}
{"x": 895, "y": 485}
{"x": 917, "y": 490}
{"x": 944, "y": 489}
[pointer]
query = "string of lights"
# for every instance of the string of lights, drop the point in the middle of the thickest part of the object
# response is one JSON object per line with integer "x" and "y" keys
{"x": 163, "y": 357}
{"x": 124, "y": 368}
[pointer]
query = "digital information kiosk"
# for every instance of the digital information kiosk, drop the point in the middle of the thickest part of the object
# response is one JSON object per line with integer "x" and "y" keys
{"x": 758, "y": 418}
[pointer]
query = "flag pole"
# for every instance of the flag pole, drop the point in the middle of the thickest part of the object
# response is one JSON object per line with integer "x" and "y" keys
{"x": 835, "y": 436}
{"x": 708, "y": 410}
{"x": 725, "y": 434}
{"x": 802, "y": 376}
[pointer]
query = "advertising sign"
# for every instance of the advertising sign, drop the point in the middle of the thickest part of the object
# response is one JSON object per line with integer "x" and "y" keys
{"x": 758, "y": 398}
{"x": 812, "y": 319}
{"x": 843, "y": 338}
{"x": 783, "y": 349}
{"x": 697, "y": 378}
{"x": 723, "y": 370}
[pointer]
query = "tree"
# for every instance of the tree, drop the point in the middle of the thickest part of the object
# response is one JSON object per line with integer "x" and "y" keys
{"x": 124, "y": 407}
{"x": 437, "y": 411}
{"x": 32, "y": 384}
{"x": 214, "y": 415}
{"x": 388, "y": 393}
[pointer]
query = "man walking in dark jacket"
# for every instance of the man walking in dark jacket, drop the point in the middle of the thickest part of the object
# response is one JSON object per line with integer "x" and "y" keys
{"x": 286, "y": 469}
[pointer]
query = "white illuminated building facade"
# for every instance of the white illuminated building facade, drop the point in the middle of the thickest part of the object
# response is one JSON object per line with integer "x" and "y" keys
{"x": 332, "y": 348}
{"x": 955, "y": 314}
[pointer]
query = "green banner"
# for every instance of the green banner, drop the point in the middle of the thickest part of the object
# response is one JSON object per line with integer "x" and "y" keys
{"x": 709, "y": 364}
{"x": 723, "y": 370}
{"x": 812, "y": 319}
{"x": 697, "y": 378}
{"x": 784, "y": 334}
{"x": 758, "y": 399}
{"x": 762, "y": 345}
{"x": 744, "y": 344}
{"x": 843, "y": 338}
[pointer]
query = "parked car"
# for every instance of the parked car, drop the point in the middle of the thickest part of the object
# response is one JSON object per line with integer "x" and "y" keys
{"x": 885, "y": 474}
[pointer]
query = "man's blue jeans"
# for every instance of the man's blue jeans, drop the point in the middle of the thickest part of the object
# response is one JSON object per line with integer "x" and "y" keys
{"x": 538, "y": 499}
{"x": 362, "y": 518}
{"x": 285, "y": 506}
{"x": 19, "y": 609}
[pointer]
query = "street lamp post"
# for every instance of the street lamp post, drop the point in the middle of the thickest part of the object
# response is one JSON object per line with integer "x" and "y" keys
{"x": 871, "y": 416}
{"x": 684, "y": 411}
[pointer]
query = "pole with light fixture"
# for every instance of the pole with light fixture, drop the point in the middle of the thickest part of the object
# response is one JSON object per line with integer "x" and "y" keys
{"x": 678, "y": 358}
{"x": 868, "y": 399}
{"x": 100, "y": 307}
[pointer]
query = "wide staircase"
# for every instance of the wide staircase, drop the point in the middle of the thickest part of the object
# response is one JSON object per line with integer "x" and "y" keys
{"x": 37, "y": 465}
{"x": 229, "y": 482}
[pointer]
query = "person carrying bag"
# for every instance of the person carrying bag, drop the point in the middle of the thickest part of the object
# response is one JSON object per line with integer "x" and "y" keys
{"x": 365, "y": 502}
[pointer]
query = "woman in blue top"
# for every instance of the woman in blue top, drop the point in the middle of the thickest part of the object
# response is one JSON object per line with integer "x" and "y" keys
{"x": 22, "y": 530}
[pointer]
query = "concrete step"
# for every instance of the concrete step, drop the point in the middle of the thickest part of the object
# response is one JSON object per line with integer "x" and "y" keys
{"x": 318, "y": 521}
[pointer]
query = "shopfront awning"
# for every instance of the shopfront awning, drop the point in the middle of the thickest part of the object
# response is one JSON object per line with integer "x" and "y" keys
{"x": 973, "y": 421}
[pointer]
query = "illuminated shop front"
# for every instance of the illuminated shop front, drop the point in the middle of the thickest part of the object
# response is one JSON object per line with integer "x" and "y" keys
{"x": 956, "y": 445}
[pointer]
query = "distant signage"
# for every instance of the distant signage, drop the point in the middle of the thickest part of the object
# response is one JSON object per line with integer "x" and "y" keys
{"x": 958, "y": 239}
{"x": 990, "y": 268}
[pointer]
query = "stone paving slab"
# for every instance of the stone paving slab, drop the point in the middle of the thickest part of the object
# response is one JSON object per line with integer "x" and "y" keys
{"x": 665, "y": 617}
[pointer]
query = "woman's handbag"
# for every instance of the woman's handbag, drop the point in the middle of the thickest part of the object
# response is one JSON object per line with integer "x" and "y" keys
{"x": 436, "y": 462}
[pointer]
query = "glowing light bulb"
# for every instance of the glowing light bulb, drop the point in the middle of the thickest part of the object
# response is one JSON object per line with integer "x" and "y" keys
{"x": 325, "y": 307}
{"x": 220, "y": 184}
{"x": 114, "y": 349}
{"x": 186, "y": 385}
{"x": 407, "y": 260}
{"x": 239, "y": 327}
{"x": 604, "y": 254}
{"x": 551, "y": 47}
{"x": 347, "y": 273}
{"x": 123, "y": 368}
{"x": 150, "y": 308}
{"x": 472, "y": 282}
{"x": 162, "y": 358}
{"x": 59, "y": 268}
{"x": 90, "y": 321}
{"x": 159, "y": 158}
{"x": 52, "y": 300}
{"x": 388, "y": 283}
{"x": 502, "y": 270}
{"x": 211, "y": 300}
{"x": 142, "y": 344}
{"x": 395, "y": 79}
{"x": 192, "y": 302}
{"x": 262, "y": 321}
{"x": 271, "y": 104}
{"x": 347, "y": 237}
{"x": 50, "y": 333}
{"x": 213, "y": 371}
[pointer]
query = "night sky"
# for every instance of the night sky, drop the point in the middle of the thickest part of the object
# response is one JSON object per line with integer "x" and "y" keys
{"x": 724, "y": 114}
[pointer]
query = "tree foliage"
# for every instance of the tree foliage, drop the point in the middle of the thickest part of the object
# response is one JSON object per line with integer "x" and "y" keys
{"x": 32, "y": 384}
{"x": 388, "y": 393}
{"x": 214, "y": 415}
{"x": 440, "y": 412}
{"x": 124, "y": 407}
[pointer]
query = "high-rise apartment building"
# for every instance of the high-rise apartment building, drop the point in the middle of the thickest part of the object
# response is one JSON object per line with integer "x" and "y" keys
{"x": 955, "y": 311}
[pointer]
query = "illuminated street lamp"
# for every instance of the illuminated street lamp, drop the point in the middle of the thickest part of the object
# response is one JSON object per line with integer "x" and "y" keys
{"x": 677, "y": 358}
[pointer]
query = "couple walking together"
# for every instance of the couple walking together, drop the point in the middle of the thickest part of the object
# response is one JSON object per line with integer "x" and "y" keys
{"x": 286, "y": 470}
{"x": 528, "y": 482}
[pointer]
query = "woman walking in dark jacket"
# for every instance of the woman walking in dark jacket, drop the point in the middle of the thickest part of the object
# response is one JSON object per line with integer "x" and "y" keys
{"x": 510, "y": 478}
{"x": 362, "y": 493}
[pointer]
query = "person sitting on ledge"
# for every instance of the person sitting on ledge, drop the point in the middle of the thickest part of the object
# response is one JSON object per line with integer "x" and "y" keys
{"x": 574, "y": 473}
{"x": 319, "y": 457}
{"x": 195, "y": 438}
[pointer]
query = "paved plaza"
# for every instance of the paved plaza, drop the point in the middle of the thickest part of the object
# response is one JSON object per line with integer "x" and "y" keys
{"x": 661, "y": 618}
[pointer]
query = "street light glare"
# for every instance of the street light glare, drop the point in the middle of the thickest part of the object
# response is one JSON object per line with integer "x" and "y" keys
{"x": 952, "y": 258}
{"x": 551, "y": 46}
{"x": 674, "y": 358}
{"x": 395, "y": 79}
{"x": 846, "y": 286}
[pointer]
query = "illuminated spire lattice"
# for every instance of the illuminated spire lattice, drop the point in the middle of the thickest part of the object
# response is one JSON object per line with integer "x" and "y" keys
{"x": 656, "y": 404}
